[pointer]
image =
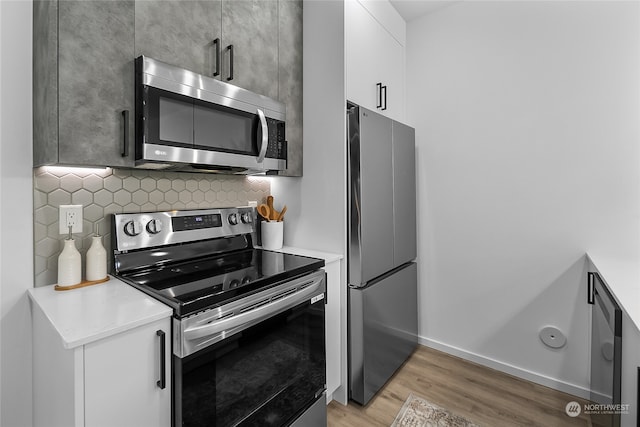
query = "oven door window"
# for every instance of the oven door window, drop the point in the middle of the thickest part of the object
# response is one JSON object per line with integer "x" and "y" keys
{"x": 177, "y": 120}
{"x": 266, "y": 375}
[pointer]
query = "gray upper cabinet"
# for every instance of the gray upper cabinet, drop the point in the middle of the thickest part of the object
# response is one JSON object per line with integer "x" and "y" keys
{"x": 179, "y": 32}
{"x": 84, "y": 55}
{"x": 290, "y": 79}
{"x": 83, "y": 83}
{"x": 250, "y": 29}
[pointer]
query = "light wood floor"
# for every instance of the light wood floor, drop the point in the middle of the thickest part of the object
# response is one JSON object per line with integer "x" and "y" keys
{"x": 482, "y": 395}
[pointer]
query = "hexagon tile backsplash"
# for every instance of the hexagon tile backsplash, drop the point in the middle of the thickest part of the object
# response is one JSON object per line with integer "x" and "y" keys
{"x": 107, "y": 191}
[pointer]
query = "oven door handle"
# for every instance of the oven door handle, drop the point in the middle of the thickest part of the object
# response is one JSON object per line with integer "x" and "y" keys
{"x": 265, "y": 136}
{"x": 255, "y": 315}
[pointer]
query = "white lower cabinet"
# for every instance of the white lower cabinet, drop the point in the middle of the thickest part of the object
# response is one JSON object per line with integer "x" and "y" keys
{"x": 113, "y": 381}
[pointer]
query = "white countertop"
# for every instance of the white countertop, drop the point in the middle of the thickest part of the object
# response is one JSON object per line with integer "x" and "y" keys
{"x": 88, "y": 314}
{"x": 326, "y": 256}
{"x": 622, "y": 274}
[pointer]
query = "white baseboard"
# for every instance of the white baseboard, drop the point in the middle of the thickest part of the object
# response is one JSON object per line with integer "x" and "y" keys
{"x": 544, "y": 380}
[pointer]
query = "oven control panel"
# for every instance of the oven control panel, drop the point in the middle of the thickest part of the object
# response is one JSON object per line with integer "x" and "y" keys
{"x": 150, "y": 229}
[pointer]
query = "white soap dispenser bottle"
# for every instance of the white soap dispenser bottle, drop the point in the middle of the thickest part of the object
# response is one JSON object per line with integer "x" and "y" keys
{"x": 96, "y": 268}
{"x": 69, "y": 263}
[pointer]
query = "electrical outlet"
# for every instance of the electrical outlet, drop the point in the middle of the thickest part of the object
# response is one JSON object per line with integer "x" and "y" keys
{"x": 70, "y": 216}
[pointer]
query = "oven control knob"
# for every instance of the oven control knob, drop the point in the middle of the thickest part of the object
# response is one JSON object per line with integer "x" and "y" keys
{"x": 154, "y": 226}
{"x": 234, "y": 284}
{"x": 132, "y": 228}
{"x": 246, "y": 218}
{"x": 233, "y": 219}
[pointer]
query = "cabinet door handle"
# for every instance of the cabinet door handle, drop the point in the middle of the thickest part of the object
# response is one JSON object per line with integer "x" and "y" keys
{"x": 216, "y": 43}
{"x": 384, "y": 88}
{"x": 230, "y": 49}
{"x": 378, "y": 95}
{"x": 125, "y": 135}
{"x": 162, "y": 382}
{"x": 590, "y": 288}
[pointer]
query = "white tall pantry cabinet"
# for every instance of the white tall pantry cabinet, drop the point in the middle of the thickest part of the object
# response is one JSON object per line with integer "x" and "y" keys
{"x": 375, "y": 37}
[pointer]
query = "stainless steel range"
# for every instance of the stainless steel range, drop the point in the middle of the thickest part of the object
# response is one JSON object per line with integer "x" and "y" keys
{"x": 248, "y": 327}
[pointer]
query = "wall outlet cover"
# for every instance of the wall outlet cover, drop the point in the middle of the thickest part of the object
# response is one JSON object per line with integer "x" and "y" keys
{"x": 70, "y": 216}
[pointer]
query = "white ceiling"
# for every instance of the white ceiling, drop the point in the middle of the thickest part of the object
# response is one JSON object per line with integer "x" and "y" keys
{"x": 412, "y": 9}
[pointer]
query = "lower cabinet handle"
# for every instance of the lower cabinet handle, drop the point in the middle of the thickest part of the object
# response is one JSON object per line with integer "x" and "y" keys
{"x": 379, "y": 95}
{"x": 162, "y": 382}
{"x": 385, "y": 97}
{"x": 125, "y": 135}
{"x": 230, "y": 49}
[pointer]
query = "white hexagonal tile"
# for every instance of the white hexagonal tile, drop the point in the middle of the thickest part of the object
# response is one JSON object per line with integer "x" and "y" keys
{"x": 171, "y": 196}
{"x": 178, "y": 206}
{"x": 47, "y": 182}
{"x": 210, "y": 196}
{"x": 148, "y": 184}
{"x": 140, "y": 197}
{"x": 103, "y": 197}
{"x": 164, "y": 185}
{"x": 139, "y": 173}
{"x": 40, "y": 264}
{"x": 122, "y": 197}
{"x": 39, "y": 232}
{"x": 131, "y": 208}
{"x": 192, "y": 205}
{"x": 226, "y": 185}
{"x": 156, "y": 196}
{"x": 184, "y": 196}
{"x": 46, "y": 215}
{"x": 47, "y": 247}
{"x": 93, "y": 212}
{"x": 191, "y": 185}
{"x": 113, "y": 183}
{"x": 178, "y": 185}
{"x": 197, "y": 196}
{"x": 148, "y": 207}
{"x": 59, "y": 197}
{"x": 216, "y": 186}
{"x": 221, "y": 196}
{"x": 204, "y": 185}
{"x": 204, "y": 205}
{"x": 39, "y": 199}
{"x": 53, "y": 231}
{"x": 131, "y": 184}
{"x": 92, "y": 183}
{"x": 121, "y": 173}
{"x": 232, "y": 196}
{"x": 112, "y": 209}
{"x": 71, "y": 182}
{"x": 82, "y": 197}
{"x": 163, "y": 206}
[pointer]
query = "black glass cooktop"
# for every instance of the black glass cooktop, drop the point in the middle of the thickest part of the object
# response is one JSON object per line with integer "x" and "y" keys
{"x": 192, "y": 286}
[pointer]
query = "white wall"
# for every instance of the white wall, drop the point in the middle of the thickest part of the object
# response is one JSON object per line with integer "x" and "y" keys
{"x": 527, "y": 126}
{"x": 316, "y": 203}
{"x": 16, "y": 213}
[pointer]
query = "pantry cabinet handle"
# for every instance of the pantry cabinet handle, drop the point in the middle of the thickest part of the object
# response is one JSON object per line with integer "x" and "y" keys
{"x": 384, "y": 88}
{"x": 125, "y": 135}
{"x": 590, "y": 288}
{"x": 379, "y": 95}
{"x": 216, "y": 43}
{"x": 162, "y": 382}
{"x": 230, "y": 49}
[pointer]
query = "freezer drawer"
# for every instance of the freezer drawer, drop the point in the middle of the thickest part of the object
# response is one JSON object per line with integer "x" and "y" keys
{"x": 383, "y": 330}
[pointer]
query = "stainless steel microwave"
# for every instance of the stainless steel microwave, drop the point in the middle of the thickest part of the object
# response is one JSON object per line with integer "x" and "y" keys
{"x": 188, "y": 121}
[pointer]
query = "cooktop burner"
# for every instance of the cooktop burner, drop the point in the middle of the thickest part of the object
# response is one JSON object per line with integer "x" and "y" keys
{"x": 191, "y": 286}
{"x": 197, "y": 260}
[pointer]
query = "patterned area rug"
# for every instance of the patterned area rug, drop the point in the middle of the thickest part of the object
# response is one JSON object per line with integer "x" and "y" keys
{"x": 417, "y": 412}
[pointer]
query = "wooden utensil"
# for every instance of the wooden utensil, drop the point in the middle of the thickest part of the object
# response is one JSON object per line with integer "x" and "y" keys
{"x": 264, "y": 212}
{"x": 272, "y": 212}
{"x": 281, "y": 214}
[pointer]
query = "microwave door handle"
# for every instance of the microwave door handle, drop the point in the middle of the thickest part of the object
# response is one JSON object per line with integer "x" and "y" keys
{"x": 265, "y": 136}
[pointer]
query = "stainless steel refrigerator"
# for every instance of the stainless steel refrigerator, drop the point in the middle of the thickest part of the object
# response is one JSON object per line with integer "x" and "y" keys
{"x": 382, "y": 273}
